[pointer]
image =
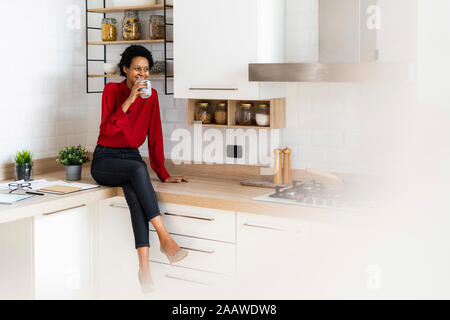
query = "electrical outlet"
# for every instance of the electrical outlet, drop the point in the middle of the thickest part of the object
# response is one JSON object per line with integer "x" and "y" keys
{"x": 234, "y": 151}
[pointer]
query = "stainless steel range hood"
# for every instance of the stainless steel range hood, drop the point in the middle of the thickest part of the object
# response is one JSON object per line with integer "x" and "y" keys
{"x": 348, "y": 50}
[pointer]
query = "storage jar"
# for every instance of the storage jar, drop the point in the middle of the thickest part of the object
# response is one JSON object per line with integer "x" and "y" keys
{"x": 109, "y": 29}
{"x": 245, "y": 114}
{"x": 156, "y": 27}
{"x": 203, "y": 114}
{"x": 131, "y": 29}
{"x": 262, "y": 115}
{"x": 221, "y": 113}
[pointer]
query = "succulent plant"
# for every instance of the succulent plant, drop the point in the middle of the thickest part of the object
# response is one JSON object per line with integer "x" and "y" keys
{"x": 72, "y": 156}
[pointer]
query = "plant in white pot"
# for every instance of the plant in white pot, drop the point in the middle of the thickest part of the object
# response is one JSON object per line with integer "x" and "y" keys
{"x": 73, "y": 158}
{"x": 24, "y": 165}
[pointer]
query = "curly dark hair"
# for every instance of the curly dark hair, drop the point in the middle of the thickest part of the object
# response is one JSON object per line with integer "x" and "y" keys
{"x": 132, "y": 52}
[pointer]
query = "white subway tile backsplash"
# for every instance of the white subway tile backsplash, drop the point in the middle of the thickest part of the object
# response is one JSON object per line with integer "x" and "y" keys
{"x": 71, "y": 127}
{"x": 181, "y": 103}
{"x": 339, "y": 156}
{"x": 44, "y": 130}
{"x": 323, "y": 105}
{"x": 74, "y": 140}
{"x": 174, "y": 115}
{"x": 313, "y": 121}
{"x": 326, "y": 138}
{"x": 167, "y": 129}
{"x": 345, "y": 90}
{"x": 91, "y": 141}
{"x": 293, "y": 110}
{"x": 340, "y": 121}
{"x": 312, "y": 89}
{"x": 312, "y": 154}
{"x": 296, "y": 137}
{"x": 54, "y": 144}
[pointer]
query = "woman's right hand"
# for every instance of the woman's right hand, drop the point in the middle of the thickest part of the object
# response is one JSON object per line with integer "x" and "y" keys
{"x": 133, "y": 95}
{"x": 135, "y": 91}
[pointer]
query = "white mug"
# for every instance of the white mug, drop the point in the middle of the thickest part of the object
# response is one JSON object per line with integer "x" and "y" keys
{"x": 148, "y": 90}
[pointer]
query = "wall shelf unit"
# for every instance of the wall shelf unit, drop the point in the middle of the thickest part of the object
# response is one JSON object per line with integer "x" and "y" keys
{"x": 111, "y": 43}
{"x": 104, "y": 11}
{"x": 152, "y": 76}
{"x": 149, "y": 7}
{"x": 277, "y": 113}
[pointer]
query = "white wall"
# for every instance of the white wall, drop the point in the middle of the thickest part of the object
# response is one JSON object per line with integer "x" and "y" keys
{"x": 43, "y": 104}
{"x": 339, "y": 127}
{"x": 343, "y": 127}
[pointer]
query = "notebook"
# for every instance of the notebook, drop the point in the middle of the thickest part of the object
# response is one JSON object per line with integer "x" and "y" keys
{"x": 61, "y": 187}
{"x": 10, "y": 198}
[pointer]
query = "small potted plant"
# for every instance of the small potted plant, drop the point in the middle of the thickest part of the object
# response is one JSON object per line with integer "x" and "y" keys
{"x": 24, "y": 165}
{"x": 73, "y": 158}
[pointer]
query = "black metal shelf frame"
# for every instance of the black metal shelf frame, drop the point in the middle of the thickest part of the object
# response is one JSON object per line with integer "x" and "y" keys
{"x": 166, "y": 76}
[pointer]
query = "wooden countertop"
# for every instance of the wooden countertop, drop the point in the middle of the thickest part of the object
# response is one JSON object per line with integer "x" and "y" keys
{"x": 201, "y": 191}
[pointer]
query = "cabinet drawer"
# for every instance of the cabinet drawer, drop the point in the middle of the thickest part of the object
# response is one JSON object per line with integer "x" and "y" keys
{"x": 174, "y": 282}
{"x": 203, "y": 254}
{"x": 199, "y": 222}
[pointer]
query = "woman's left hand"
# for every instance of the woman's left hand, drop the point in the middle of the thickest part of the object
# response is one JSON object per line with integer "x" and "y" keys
{"x": 177, "y": 179}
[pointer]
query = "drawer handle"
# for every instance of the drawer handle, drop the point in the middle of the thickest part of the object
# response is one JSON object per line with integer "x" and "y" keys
{"x": 62, "y": 210}
{"x": 188, "y": 280}
{"x": 251, "y": 225}
{"x": 118, "y": 205}
{"x": 209, "y": 251}
{"x": 190, "y": 217}
{"x": 215, "y": 89}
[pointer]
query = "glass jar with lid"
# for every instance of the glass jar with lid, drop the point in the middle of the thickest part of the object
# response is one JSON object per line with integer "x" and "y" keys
{"x": 203, "y": 113}
{"x": 131, "y": 29}
{"x": 262, "y": 115}
{"x": 245, "y": 114}
{"x": 156, "y": 27}
{"x": 221, "y": 113}
{"x": 109, "y": 29}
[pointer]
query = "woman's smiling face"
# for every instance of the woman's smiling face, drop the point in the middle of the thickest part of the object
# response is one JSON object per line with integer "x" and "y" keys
{"x": 139, "y": 70}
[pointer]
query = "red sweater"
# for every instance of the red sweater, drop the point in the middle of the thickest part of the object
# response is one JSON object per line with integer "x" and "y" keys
{"x": 129, "y": 130}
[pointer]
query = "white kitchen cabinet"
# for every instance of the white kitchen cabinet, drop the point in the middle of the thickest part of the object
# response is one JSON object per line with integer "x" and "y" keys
{"x": 199, "y": 222}
{"x": 271, "y": 254}
{"x": 62, "y": 254}
{"x": 16, "y": 260}
{"x": 175, "y": 282}
{"x": 203, "y": 254}
{"x": 214, "y": 41}
{"x": 116, "y": 258}
{"x": 117, "y": 261}
{"x": 281, "y": 258}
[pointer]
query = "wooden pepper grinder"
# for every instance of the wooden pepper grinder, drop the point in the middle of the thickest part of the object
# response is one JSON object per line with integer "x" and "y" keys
{"x": 287, "y": 174}
{"x": 278, "y": 175}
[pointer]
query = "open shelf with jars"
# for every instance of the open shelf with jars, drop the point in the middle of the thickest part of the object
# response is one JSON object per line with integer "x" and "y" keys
{"x": 152, "y": 76}
{"x": 131, "y": 34}
{"x": 148, "y": 7}
{"x": 243, "y": 114}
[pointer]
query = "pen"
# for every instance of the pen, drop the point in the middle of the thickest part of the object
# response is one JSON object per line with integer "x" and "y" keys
{"x": 36, "y": 193}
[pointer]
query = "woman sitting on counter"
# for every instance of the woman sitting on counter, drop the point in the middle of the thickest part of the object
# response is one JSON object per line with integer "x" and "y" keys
{"x": 127, "y": 119}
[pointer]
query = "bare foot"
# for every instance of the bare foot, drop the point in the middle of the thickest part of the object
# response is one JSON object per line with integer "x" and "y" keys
{"x": 170, "y": 246}
{"x": 145, "y": 276}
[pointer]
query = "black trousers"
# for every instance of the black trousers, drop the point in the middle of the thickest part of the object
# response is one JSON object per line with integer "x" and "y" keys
{"x": 124, "y": 167}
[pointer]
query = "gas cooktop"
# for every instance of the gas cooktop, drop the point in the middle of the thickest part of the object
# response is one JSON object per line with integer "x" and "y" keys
{"x": 314, "y": 194}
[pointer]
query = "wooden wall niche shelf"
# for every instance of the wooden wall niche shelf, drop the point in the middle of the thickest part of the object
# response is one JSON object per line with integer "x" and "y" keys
{"x": 277, "y": 109}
